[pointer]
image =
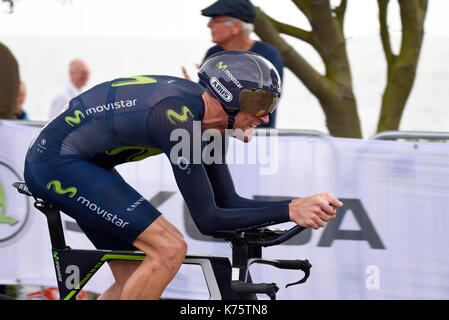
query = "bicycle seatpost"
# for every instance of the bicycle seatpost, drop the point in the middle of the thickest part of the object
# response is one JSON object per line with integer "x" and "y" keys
{"x": 54, "y": 224}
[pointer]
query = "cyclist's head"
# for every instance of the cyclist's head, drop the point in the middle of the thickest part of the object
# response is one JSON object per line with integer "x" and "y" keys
{"x": 242, "y": 81}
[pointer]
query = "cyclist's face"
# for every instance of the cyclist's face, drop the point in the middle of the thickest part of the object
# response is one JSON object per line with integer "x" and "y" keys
{"x": 245, "y": 123}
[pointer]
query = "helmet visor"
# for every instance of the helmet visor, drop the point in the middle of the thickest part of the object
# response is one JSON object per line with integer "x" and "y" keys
{"x": 254, "y": 101}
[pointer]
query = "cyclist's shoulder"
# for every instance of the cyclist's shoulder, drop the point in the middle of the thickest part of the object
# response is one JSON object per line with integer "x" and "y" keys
{"x": 178, "y": 92}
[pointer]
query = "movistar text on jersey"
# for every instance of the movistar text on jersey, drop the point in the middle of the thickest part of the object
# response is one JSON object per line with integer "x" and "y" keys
{"x": 112, "y": 106}
{"x": 112, "y": 218}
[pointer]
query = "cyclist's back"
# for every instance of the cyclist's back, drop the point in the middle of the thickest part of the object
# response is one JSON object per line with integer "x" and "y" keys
{"x": 113, "y": 115}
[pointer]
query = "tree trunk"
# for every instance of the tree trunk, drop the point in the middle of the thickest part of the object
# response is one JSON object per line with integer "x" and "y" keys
{"x": 333, "y": 89}
{"x": 402, "y": 67}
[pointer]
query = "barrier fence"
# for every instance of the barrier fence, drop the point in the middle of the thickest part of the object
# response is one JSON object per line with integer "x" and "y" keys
{"x": 389, "y": 241}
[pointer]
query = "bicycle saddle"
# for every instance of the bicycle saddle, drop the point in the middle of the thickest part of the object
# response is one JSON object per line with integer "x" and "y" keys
{"x": 22, "y": 188}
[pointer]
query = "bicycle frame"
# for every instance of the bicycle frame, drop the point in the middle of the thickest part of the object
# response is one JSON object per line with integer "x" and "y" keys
{"x": 75, "y": 267}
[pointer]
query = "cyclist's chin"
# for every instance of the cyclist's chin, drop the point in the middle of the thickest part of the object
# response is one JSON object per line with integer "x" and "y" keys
{"x": 244, "y": 136}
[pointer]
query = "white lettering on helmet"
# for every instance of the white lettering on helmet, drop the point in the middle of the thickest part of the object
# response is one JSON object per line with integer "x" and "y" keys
{"x": 220, "y": 89}
{"x": 233, "y": 79}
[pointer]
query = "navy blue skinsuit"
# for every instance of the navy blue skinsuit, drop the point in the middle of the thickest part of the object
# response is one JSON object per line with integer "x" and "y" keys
{"x": 71, "y": 163}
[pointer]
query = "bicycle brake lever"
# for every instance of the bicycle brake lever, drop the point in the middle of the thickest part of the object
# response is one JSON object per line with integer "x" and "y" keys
{"x": 305, "y": 267}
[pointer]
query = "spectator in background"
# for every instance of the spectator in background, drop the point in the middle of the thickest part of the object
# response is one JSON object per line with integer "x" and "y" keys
{"x": 19, "y": 112}
{"x": 231, "y": 24}
{"x": 79, "y": 74}
{"x": 9, "y": 83}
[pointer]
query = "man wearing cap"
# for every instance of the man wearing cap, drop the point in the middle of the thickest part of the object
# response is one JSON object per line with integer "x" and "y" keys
{"x": 231, "y": 23}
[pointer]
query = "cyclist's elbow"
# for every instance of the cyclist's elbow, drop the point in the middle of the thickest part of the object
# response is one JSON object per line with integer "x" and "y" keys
{"x": 205, "y": 229}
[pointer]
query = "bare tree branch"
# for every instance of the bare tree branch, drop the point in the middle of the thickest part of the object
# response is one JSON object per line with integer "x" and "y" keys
{"x": 303, "y": 6}
{"x": 384, "y": 33}
{"x": 290, "y": 30}
{"x": 402, "y": 67}
{"x": 333, "y": 89}
{"x": 301, "y": 68}
{"x": 11, "y": 5}
{"x": 340, "y": 12}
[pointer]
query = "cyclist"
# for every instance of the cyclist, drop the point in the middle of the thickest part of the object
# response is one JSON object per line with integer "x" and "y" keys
{"x": 71, "y": 164}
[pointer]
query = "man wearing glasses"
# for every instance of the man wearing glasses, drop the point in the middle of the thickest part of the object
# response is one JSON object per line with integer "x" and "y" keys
{"x": 231, "y": 24}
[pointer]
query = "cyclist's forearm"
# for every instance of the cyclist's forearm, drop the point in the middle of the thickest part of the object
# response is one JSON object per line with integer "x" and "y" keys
{"x": 215, "y": 218}
{"x": 241, "y": 202}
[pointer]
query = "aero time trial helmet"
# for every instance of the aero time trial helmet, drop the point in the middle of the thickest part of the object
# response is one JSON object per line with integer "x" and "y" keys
{"x": 242, "y": 80}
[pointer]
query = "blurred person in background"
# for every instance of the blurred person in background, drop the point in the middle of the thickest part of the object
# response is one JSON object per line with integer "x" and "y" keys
{"x": 19, "y": 112}
{"x": 79, "y": 75}
{"x": 231, "y": 24}
{"x": 9, "y": 83}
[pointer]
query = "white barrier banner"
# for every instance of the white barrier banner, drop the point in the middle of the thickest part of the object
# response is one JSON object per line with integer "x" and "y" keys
{"x": 389, "y": 241}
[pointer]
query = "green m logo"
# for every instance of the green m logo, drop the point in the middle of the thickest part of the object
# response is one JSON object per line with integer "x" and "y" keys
{"x": 58, "y": 189}
{"x": 75, "y": 119}
{"x": 180, "y": 117}
{"x": 3, "y": 217}
{"x": 134, "y": 80}
{"x": 222, "y": 66}
{"x": 138, "y": 152}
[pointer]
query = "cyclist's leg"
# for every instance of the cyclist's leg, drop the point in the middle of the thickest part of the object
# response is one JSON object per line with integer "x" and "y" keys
{"x": 121, "y": 270}
{"x": 133, "y": 283}
{"x": 165, "y": 249}
{"x": 104, "y": 206}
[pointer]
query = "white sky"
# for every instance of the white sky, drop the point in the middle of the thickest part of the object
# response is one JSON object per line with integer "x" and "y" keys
{"x": 177, "y": 17}
{"x": 45, "y": 34}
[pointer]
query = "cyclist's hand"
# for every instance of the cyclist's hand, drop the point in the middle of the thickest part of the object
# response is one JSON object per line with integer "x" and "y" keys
{"x": 314, "y": 211}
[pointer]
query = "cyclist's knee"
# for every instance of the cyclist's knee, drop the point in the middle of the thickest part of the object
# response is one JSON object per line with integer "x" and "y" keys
{"x": 174, "y": 250}
{"x": 162, "y": 244}
{"x": 170, "y": 255}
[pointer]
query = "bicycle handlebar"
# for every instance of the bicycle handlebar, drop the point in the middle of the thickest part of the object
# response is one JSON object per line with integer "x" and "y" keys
{"x": 259, "y": 237}
{"x": 280, "y": 239}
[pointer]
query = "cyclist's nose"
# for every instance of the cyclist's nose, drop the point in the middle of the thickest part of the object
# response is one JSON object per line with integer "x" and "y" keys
{"x": 265, "y": 119}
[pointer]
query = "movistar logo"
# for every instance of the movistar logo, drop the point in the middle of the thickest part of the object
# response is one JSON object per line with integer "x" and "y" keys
{"x": 180, "y": 117}
{"x": 222, "y": 66}
{"x": 134, "y": 80}
{"x": 59, "y": 190}
{"x": 75, "y": 119}
{"x": 3, "y": 217}
{"x": 137, "y": 152}
{"x": 220, "y": 89}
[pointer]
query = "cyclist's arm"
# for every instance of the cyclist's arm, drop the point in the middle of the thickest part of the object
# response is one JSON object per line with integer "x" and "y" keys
{"x": 224, "y": 191}
{"x": 194, "y": 183}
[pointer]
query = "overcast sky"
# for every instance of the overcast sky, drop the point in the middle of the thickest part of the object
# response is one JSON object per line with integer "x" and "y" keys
{"x": 41, "y": 33}
{"x": 178, "y": 17}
